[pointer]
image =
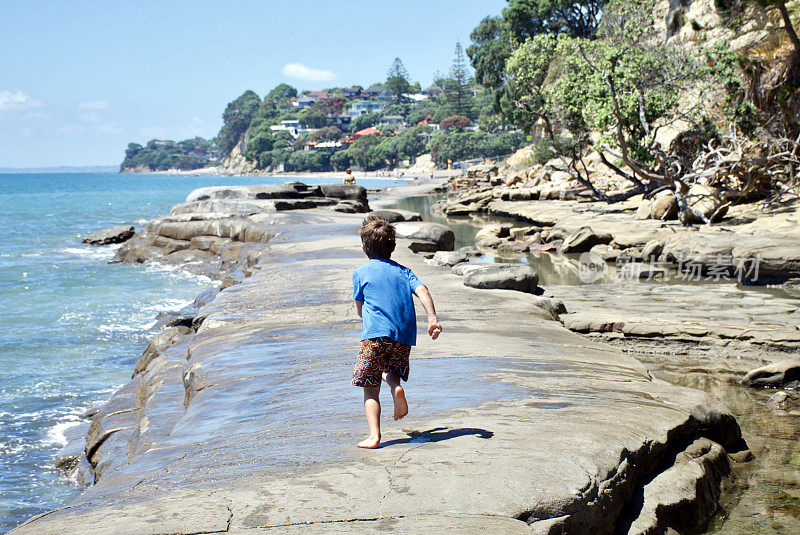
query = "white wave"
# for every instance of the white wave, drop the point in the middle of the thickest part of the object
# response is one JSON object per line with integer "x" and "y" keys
{"x": 113, "y": 328}
{"x": 95, "y": 251}
{"x": 56, "y": 434}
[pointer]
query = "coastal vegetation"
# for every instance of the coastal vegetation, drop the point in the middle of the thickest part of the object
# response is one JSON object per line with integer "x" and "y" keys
{"x": 382, "y": 126}
{"x": 661, "y": 105}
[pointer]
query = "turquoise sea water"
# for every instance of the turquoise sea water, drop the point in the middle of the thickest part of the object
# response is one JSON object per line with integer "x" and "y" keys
{"x": 71, "y": 325}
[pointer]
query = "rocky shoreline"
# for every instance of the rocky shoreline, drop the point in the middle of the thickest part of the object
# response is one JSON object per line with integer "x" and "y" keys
{"x": 559, "y": 433}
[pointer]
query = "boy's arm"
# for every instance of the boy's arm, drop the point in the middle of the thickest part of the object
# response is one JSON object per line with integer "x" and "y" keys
{"x": 358, "y": 307}
{"x": 434, "y": 327}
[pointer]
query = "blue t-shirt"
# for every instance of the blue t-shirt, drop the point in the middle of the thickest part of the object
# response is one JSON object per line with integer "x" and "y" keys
{"x": 386, "y": 289}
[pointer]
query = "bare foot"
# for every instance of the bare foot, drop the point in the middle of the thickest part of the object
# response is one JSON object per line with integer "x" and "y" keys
{"x": 370, "y": 443}
{"x": 400, "y": 404}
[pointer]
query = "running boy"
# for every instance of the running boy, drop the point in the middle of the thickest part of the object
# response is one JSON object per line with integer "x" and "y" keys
{"x": 382, "y": 290}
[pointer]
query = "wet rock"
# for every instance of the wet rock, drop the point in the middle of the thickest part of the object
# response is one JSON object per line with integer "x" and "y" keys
{"x": 438, "y": 237}
{"x": 110, "y": 235}
{"x": 606, "y": 252}
{"x": 448, "y": 258}
{"x": 519, "y": 277}
{"x": 581, "y": 240}
{"x": 70, "y": 455}
{"x": 636, "y": 270}
{"x": 785, "y": 373}
{"x": 783, "y": 400}
{"x": 469, "y": 250}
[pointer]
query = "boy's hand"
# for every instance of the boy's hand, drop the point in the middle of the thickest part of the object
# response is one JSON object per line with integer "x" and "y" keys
{"x": 434, "y": 329}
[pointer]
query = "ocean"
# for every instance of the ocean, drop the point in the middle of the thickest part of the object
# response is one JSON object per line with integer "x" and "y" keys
{"x": 73, "y": 326}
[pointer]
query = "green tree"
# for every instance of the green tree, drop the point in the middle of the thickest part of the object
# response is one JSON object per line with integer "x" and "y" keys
{"x": 397, "y": 81}
{"x": 458, "y": 92}
{"x": 236, "y": 119}
{"x": 365, "y": 121}
{"x": 280, "y": 94}
{"x": 492, "y": 45}
{"x": 576, "y": 18}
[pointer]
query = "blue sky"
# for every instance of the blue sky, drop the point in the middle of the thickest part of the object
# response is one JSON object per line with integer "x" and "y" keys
{"x": 80, "y": 79}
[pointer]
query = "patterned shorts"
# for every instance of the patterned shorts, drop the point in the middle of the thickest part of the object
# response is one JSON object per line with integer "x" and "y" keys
{"x": 378, "y": 355}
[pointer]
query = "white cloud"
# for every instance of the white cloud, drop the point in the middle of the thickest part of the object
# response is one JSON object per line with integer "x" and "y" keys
{"x": 17, "y": 101}
{"x": 301, "y": 72}
{"x": 94, "y": 105}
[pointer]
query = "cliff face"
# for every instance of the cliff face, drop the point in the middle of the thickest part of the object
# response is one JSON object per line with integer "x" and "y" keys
{"x": 236, "y": 163}
{"x": 699, "y": 22}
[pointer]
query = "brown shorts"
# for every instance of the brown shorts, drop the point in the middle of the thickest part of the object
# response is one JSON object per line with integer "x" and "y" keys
{"x": 380, "y": 355}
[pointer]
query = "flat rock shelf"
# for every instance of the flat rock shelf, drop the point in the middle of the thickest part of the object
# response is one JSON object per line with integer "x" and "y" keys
{"x": 247, "y": 423}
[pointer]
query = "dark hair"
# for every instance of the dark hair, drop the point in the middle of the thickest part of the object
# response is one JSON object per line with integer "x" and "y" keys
{"x": 348, "y": 171}
{"x": 377, "y": 237}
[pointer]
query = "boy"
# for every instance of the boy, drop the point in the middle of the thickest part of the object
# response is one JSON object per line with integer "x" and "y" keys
{"x": 382, "y": 290}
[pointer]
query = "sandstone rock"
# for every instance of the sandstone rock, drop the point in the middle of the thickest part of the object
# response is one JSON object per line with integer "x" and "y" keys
{"x": 652, "y": 250}
{"x": 110, "y": 235}
{"x": 606, "y": 252}
{"x": 520, "y": 277}
{"x": 637, "y": 270}
{"x": 665, "y": 206}
{"x": 581, "y": 240}
{"x": 783, "y": 400}
{"x": 345, "y": 191}
{"x": 167, "y": 338}
{"x": 448, "y": 258}
{"x": 705, "y": 200}
{"x": 439, "y": 237}
{"x": 685, "y": 495}
{"x": 492, "y": 235}
{"x": 396, "y": 216}
{"x": 645, "y": 209}
{"x": 785, "y": 373}
{"x": 465, "y": 267}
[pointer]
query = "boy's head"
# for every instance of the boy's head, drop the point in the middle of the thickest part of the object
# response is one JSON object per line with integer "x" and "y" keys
{"x": 377, "y": 237}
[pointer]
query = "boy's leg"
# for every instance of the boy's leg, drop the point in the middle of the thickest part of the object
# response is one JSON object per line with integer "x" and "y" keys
{"x": 398, "y": 394}
{"x": 372, "y": 406}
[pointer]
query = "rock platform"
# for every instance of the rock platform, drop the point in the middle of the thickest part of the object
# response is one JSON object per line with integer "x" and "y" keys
{"x": 246, "y": 423}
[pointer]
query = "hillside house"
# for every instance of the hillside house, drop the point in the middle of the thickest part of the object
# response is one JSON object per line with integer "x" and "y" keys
{"x": 360, "y": 107}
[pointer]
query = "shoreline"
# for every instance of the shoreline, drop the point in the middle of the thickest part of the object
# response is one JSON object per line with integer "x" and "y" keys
{"x": 330, "y": 259}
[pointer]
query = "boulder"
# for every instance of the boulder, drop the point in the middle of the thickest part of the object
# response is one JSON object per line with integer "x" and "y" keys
{"x": 465, "y": 267}
{"x": 783, "y": 401}
{"x": 519, "y": 277}
{"x": 606, "y": 252}
{"x": 110, "y": 235}
{"x": 353, "y": 192}
{"x": 581, "y": 241}
{"x": 665, "y": 206}
{"x": 705, "y": 200}
{"x": 652, "y": 250}
{"x": 440, "y": 237}
{"x": 785, "y": 373}
{"x": 636, "y": 270}
{"x": 396, "y": 216}
{"x": 645, "y": 209}
{"x": 448, "y": 258}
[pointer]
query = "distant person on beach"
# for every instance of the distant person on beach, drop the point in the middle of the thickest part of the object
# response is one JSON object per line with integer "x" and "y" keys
{"x": 349, "y": 178}
{"x": 383, "y": 290}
